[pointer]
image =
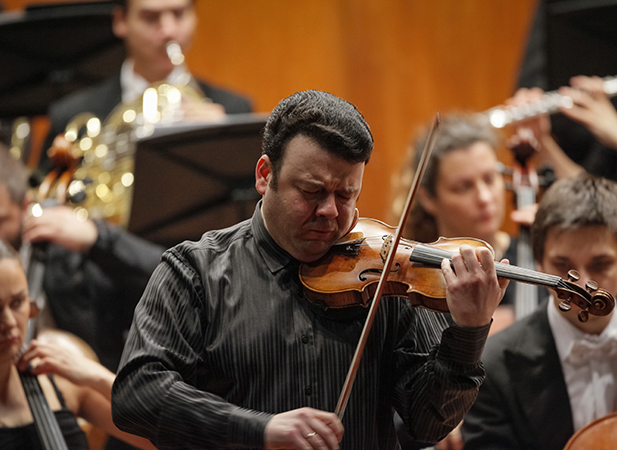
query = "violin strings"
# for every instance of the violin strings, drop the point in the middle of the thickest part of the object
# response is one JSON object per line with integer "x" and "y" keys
{"x": 434, "y": 256}
{"x": 430, "y": 255}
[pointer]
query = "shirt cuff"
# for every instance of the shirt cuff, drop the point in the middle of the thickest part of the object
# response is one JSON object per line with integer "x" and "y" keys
{"x": 246, "y": 427}
{"x": 463, "y": 345}
{"x": 106, "y": 236}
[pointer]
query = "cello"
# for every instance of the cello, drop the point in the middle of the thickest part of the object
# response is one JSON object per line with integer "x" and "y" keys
{"x": 601, "y": 434}
{"x": 45, "y": 422}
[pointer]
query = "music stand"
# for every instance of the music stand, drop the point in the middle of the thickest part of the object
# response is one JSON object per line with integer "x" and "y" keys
{"x": 197, "y": 177}
{"x": 568, "y": 38}
{"x": 51, "y": 50}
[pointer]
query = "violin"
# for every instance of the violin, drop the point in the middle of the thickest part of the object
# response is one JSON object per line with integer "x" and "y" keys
{"x": 348, "y": 274}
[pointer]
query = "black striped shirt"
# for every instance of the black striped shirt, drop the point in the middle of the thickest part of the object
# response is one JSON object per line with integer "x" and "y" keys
{"x": 223, "y": 338}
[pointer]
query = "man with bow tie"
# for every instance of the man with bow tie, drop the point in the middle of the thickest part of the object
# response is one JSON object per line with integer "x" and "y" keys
{"x": 549, "y": 374}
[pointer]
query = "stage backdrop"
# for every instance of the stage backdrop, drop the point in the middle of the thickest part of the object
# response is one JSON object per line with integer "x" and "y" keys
{"x": 398, "y": 61}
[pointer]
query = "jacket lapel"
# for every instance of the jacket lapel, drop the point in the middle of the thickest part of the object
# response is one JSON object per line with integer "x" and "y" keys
{"x": 539, "y": 384}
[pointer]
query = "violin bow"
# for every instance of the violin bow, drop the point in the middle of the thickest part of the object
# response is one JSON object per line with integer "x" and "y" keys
{"x": 392, "y": 245}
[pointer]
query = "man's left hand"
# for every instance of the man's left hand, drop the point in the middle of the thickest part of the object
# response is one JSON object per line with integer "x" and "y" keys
{"x": 473, "y": 290}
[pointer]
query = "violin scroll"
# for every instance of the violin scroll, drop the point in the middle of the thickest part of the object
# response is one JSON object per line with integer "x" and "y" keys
{"x": 591, "y": 299}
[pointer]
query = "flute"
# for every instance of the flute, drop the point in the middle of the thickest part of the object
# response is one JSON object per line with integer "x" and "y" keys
{"x": 550, "y": 103}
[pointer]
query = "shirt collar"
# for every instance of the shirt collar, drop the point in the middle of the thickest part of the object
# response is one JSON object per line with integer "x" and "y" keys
{"x": 565, "y": 334}
{"x": 133, "y": 85}
{"x": 275, "y": 257}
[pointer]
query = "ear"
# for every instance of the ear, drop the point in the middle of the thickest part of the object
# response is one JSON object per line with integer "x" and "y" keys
{"x": 263, "y": 174}
{"x": 34, "y": 309}
{"x": 118, "y": 24}
{"x": 428, "y": 202}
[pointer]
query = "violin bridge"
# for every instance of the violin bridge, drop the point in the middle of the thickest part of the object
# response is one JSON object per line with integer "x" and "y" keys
{"x": 385, "y": 248}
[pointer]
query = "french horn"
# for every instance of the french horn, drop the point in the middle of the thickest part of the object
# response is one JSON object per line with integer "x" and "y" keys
{"x": 104, "y": 179}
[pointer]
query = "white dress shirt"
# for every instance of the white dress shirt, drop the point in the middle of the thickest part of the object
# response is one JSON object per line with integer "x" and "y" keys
{"x": 133, "y": 85}
{"x": 589, "y": 370}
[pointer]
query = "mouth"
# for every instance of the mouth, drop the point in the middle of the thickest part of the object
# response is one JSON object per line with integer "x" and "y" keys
{"x": 320, "y": 235}
{"x": 486, "y": 216}
{"x": 9, "y": 341}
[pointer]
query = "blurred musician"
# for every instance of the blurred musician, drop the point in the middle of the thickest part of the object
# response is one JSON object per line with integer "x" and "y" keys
{"x": 94, "y": 273}
{"x": 590, "y": 144}
{"x": 462, "y": 192}
{"x": 549, "y": 375}
{"x": 146, "y": 26}
{"x": 76, "y": 386}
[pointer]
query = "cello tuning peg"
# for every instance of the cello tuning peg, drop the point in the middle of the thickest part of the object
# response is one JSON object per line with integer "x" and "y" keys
{"x": 591, "y": 286}
{"x": 573, "y": 276}
{"x": 565, "y": 306}
{"x": 583, "y": 316}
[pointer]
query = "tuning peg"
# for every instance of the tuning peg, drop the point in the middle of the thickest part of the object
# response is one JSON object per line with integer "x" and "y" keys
{"x": 565, "y": 306}
{"x": 583, "y": 316}
{"x": 591, "y": 286}
{"x": 573, "y": 276}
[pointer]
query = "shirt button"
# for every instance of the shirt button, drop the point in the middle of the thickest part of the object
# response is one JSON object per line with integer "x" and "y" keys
{"x": 308, "y": 390}
{"x": 304, "y": 339}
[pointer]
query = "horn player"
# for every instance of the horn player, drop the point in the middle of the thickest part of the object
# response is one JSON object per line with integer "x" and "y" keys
{"x": 146, "y": 27}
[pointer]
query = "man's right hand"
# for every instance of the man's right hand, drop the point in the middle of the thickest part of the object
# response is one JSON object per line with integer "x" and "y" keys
{"x": 60, "y": 225}
{"x": 304, "y": 429}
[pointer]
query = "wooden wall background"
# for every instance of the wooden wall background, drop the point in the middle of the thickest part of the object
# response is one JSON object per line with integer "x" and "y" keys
{"x": 398, "y": 61}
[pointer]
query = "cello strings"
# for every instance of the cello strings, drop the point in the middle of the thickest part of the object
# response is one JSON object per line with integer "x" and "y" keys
{"x": 45, "y": 422}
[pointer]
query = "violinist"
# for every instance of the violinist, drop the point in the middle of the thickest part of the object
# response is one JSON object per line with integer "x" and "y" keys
{"x": 548, "y": 375}
{"x": 71, "y": 384}
{"x": 225, "y": 351}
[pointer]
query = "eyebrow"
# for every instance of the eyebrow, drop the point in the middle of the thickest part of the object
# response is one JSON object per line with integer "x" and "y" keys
{"x": 19, "y": 295}
{"x": 320, "y": 184}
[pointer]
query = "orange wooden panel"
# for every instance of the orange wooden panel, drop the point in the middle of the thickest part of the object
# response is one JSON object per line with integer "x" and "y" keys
{"x": 398, "y": 61}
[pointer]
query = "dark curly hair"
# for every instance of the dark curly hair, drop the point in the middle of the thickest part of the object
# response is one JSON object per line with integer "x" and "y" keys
{"x": 333, "y": 123}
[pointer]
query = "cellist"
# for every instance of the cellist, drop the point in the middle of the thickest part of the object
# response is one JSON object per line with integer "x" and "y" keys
{"x": 75, "y": 387}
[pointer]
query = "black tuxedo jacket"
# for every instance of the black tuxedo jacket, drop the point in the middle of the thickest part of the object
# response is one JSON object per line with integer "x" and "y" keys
{"x": 101, "y": 99}
{"x": 523, "y": 403}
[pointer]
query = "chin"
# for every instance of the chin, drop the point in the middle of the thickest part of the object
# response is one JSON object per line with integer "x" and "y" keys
{"x": 312, "y": 254}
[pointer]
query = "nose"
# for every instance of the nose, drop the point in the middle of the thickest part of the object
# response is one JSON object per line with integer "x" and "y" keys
{"x": 7, "y": 320}
{"x": 327, "y": 207}
{"x": 485, "y": 194}
{"x": 169, "y": 25}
